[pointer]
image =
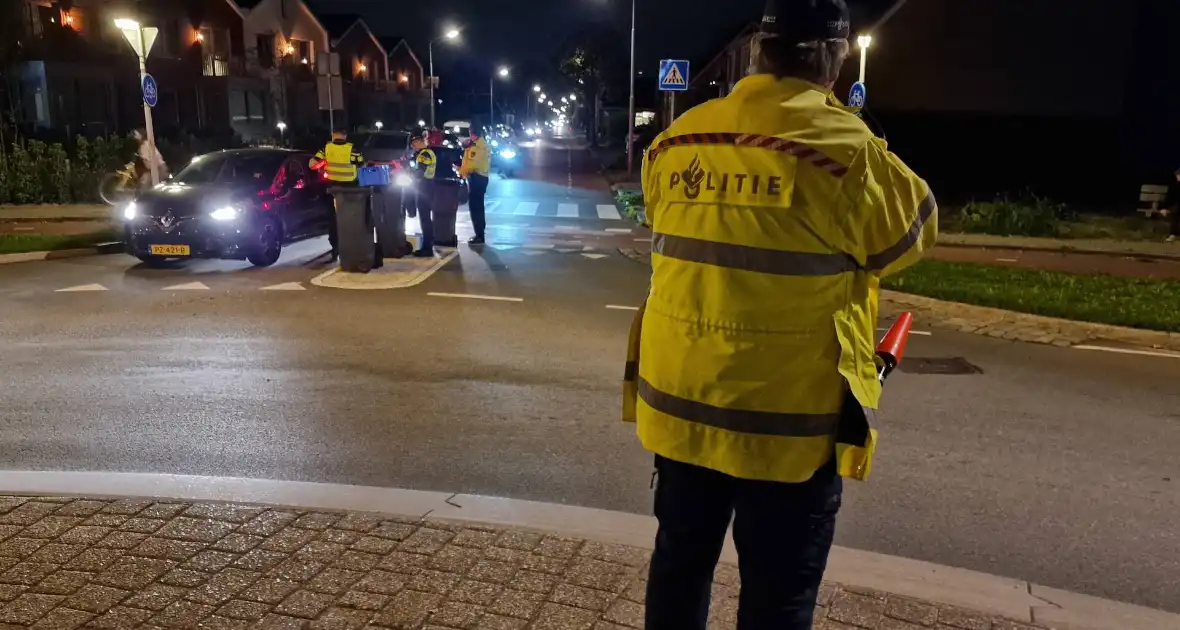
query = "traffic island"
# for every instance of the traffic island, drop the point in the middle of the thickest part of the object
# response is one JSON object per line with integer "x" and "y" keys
{"x": 124, "y": 563}
{"x": 395, "y": 273}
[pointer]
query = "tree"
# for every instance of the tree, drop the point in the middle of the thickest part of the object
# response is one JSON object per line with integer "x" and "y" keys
{"x": 594, "y": 64}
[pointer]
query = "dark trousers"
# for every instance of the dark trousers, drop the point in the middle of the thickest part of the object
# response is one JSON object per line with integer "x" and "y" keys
{"x": 782, "y": 531}
{"x": 479, "y": 191}
{"x": 425, "y": 199}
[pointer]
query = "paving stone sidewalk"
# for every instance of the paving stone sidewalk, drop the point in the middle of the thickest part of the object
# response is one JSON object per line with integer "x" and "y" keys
{"x": 112, "y": 564}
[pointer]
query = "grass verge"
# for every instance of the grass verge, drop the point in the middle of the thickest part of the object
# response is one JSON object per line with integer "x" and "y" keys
{"x": 1136, "y": 303}
{"x": 21, "y": 243}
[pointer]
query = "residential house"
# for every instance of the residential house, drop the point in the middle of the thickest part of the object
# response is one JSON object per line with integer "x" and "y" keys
{"x": 283, "y": 38}
{"x": 364, "y": 68}
{"x": 71, "y": 70}
{"x": 409, "y": 77}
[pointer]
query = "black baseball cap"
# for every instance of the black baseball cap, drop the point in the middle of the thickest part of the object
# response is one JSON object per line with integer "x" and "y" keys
{"x": 806, "y": 20}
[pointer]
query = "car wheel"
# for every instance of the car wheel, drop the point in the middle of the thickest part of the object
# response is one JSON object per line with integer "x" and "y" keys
{"x": 268, "y": 245}
{"x": 152, "y": 261}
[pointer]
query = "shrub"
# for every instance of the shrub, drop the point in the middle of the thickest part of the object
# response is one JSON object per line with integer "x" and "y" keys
{"x": 1035, "y": 216}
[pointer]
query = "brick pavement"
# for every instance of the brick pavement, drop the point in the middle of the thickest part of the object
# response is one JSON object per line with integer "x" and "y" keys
{"x": 70, "y": 563}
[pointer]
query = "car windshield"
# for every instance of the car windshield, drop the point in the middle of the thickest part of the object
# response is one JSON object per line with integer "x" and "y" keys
{"x": 386, "y": 141}
{"x": 231, "y": 168}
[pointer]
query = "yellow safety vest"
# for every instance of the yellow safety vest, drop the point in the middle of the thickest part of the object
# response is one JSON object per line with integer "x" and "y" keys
{"x": 429, "y": 163}
{"x": 477, "y": 159}
{"x": 340, "y": 166}
{"x": 774, "y": 215}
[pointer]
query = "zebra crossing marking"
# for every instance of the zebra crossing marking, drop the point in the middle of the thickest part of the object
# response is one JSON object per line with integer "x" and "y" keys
{"x": 608, "y": 211}
{"x": 526, "y": 209}
{"x": 567, "y": 210}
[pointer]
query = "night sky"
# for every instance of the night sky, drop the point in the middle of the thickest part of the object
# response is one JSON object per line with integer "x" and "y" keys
{"x": 527, "y": 35}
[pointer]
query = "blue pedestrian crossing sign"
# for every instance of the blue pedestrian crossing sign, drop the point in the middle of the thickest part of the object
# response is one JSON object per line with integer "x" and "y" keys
{"x": 857, "y": 95}
{"x": 151, "y": 92}
{"x": 674, "y": 75}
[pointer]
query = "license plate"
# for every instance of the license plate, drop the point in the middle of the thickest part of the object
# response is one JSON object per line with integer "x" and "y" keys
{"x": 171, "y": 250}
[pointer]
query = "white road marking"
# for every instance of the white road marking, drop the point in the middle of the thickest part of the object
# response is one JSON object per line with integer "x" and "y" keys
{"x": 188, "y": 286}
{"x": 476, "y": 296}
{"x": 286, "y": 286}
{"x": 608, "y": 211}
{"x": 594, "y": 256}
{"x": 82, "y": 287}
{"x": 643, "y": 240}
{"x": 22, "y": 229}
{"x": 1006, "y": 260}
{"x": 567, "y": 210}
{"x": 526, "y": 209}
{"x": 490, "y": 207}
{"x": 1144, "y": 353}
{"x": 616, "y": 307}
{"x": 533, "y": 252}
{"x": 619, "y": 230}
{"x": 539, "y": 246}
{"x": 564, "y": 250}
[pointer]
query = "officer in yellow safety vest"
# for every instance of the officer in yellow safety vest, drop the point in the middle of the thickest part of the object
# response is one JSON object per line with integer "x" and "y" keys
{"x": 425, "y": 163}
{"x": 751, "y": 369}
{"x": 477, "y": 164}
{"x": 339, "y": 162}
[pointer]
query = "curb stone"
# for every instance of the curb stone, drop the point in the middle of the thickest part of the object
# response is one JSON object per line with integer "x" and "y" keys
{"x": 428, "y": 545}
{"x": 101, "y": 249}
{"x": 1089, "y": 247}
{"x": 1010, "y": 325}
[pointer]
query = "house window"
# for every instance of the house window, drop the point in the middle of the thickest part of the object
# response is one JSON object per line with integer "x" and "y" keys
{"x": 255, "y": 106}
{"x": 305, "y": 52}
{"x": 247, "y": 106}
{"x": 215, "y": 51}
{"x": 48, "y": 17}
{"x": 266, "y": 50}
{"x": 172, "y": 43}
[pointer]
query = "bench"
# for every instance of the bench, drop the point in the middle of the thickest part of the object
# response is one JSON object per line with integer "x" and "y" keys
{"x": 1151, "y": 199}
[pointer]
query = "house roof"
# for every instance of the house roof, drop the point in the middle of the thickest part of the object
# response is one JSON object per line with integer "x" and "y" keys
{"x": 246, "y": 5}
{"x": 338, "y": 25}
{"x": 391, "y": 44}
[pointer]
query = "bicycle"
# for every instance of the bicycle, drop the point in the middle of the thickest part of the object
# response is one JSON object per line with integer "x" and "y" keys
{"x": 120, "y": 186}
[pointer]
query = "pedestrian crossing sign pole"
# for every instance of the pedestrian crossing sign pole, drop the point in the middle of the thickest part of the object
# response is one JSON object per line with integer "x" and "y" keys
{"x": 673, "y": 79}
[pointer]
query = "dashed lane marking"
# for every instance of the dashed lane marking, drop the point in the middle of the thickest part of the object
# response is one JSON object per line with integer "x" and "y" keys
{"x": 82, "y": 288}
{"x": 618, "y": 307}
{"x": 1142, "y": 353}
{"x": 286, "y": 286}
{"x": 188, "y": 286}
{"x": 476, "y": 296}
{"x": 594, "y": 256}
{"x": 619, "y": 230}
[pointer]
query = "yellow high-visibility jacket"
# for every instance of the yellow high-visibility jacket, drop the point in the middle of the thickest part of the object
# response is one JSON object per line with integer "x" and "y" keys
{"x": 339, "y": 161}
{"x": 477, "y": 159}
{"x": 775, "y": 213}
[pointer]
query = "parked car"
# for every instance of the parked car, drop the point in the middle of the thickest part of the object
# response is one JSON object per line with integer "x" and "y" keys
{"x": 383, "y": 147}
{"x": 242, "y": 204}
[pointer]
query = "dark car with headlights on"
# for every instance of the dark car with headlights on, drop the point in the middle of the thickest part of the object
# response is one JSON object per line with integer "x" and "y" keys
{"x": 241, "y": 204}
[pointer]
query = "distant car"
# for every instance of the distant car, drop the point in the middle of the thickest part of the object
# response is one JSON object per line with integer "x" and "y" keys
{"x": 383, "y": 147}
{"x": 242, "y": 204}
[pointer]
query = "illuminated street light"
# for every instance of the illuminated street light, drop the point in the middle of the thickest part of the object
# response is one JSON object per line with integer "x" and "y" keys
{"x": 537, "y": 88}
{"x": 573, "y": 97}
{"x": 449, "y": 34}
{"x": 141, "y": 40}
{"x": 503, "y": 72}
{"x": 864, "y": 41}
{"x": 421, "y": 123}
{"x": 379, "y": 125}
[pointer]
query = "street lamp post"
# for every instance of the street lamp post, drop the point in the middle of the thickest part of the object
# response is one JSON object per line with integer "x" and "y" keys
{"x": 631, "y": 101}
{"x": 141, "y": 40}
{"x": 450, "y": 34}
{"x": 503, "y": 73}
{"x": 864, "y": 41}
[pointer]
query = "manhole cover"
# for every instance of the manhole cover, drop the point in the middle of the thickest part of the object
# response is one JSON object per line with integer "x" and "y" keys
{"x": 952, "y": 366}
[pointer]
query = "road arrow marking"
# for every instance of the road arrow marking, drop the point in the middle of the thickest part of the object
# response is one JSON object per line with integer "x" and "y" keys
{"x": 594, "y": 256}
{"x": 82, "y": 287}
{"x": 286, "y": 286}
{"x": 189, "y": 286}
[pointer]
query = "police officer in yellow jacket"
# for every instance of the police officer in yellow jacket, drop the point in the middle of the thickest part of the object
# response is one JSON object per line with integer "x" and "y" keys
{"x": 425, "y": 164}
{"x": 477, "y": 164}
{"x": 339, "y": 162}
{"x": 751, "y": 372}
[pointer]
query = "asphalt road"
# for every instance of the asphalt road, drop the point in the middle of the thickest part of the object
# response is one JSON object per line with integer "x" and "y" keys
{"x": 1052, "y": 464}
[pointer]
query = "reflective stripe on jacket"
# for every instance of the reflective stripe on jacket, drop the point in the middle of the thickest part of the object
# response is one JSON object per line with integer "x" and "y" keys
{"x": 428, "y": 162}
{"x": 477, "y": 159}
{"x": 774, "y": 215}
{"x": 340, "y": 161}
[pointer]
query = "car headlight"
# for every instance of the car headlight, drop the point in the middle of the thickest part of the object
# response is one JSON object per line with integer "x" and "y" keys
{"x": 495, "y": 143}
{"x": 227, "y": 213}
{"x": 131, "y": 212}
{"x": 403, "y": 180}
{"x": 508, "y": 154}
